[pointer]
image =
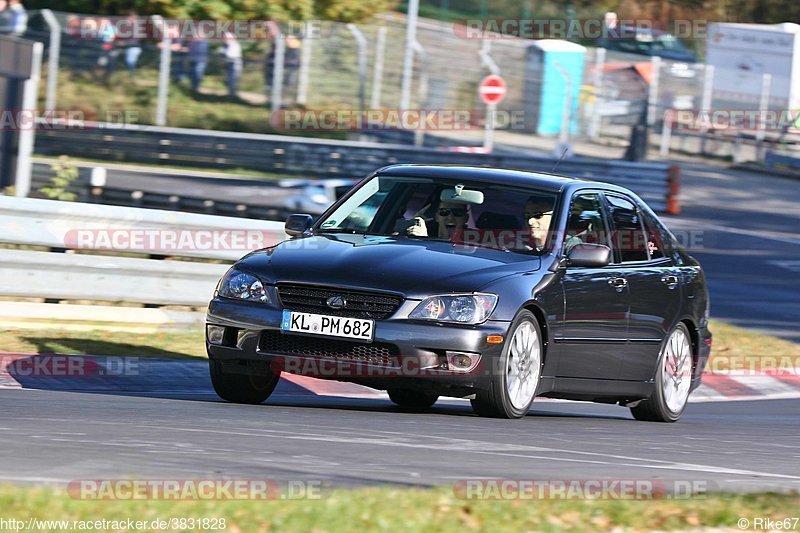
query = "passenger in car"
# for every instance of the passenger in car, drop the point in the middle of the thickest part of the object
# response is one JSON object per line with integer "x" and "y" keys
{"x": 448, "y": 219}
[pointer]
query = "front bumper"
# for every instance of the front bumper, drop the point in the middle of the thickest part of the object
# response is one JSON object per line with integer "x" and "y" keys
{"x": 421, "y": 350}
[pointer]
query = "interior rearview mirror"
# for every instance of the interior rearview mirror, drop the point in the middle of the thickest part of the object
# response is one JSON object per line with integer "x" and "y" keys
{"x": 460, "y": 195}
{"x": 589, "y": 255}
{"x": 297, "y": 224}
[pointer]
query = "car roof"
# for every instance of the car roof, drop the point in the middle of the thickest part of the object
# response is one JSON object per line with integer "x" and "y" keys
{"x": 500, "y": 176}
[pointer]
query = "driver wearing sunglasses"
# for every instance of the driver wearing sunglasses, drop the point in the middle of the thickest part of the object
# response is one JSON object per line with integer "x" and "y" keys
{"x": 538, "y": 214}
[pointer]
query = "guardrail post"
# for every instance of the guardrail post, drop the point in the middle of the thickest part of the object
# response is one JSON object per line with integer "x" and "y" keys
{"x": 97, "y": 181}
{"x": 53, "y": 56}
{"x": 737, "y": 150}
{"x": 673, "y": 190}
{"x": 377, "y": 76}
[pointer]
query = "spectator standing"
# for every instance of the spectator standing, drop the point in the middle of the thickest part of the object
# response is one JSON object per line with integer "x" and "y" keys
{"x": 133, "y": 46}
{"x": 179, "y": 53}
{"x": 13, "y": 18}
{"x": 291, "y": 65}
{"x": 6, "y": 24}
{"x": 108, "y": 54}
{"x": 232, "y": 52}
{"x": 74, "y": 51}
{"x": 198, "y": 59}
{"x": 269, "y": 68}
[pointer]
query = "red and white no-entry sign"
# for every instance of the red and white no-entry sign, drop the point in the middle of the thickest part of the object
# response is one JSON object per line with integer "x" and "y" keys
{"x": 492, "y": 89}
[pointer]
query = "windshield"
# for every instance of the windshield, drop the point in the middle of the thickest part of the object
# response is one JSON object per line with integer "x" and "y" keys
{"x": 462, "y": 212}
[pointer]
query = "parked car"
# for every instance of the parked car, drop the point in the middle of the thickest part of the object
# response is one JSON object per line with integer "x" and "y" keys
{"x": 488, "y": 284}
{"x": 315, "y": 197}
{"x": 652, "y": 42}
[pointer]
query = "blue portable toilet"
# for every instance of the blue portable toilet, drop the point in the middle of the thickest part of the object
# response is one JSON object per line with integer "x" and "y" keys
{"x": 545, "y": 85}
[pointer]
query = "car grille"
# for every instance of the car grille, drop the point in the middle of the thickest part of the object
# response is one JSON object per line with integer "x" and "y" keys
{"x": 375, "y": 353}
{"x": 360, "y": 304}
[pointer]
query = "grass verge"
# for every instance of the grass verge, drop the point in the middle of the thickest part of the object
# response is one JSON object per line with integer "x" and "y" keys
{"x": 732, "y": 345}
{"x": 167, "y": 344}
{"x": 396, "y": 509}
{"x": 735, "y": 347}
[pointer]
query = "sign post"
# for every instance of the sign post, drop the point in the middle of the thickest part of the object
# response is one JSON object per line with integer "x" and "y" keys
{"x": 492, "y": 90}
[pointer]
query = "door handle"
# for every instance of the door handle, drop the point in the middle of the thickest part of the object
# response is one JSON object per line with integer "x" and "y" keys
{"x": 619, "y": 284}
{"x": 670, "y": 281}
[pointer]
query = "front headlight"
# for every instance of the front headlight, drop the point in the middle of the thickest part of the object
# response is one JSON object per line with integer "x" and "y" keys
{"x": 238, "y": 285}
{"x": 460, "y": 308}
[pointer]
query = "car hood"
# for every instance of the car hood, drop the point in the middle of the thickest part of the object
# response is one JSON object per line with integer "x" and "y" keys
{"x": 414, "y": 268}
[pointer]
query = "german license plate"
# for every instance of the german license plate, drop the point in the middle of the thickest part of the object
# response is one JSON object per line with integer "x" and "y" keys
{"x": 332, "y": 326}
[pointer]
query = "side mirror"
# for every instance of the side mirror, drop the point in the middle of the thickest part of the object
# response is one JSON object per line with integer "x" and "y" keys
{"x": 297, "y": 224}
{"x": 589, "y": 255}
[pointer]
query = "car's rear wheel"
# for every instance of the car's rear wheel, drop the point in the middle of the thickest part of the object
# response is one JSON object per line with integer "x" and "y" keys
{"x": 412, "y": 399}
{"x": 242, "y": 388}
{"x": 673, "y": 380}
{"x": 516, "y": 379}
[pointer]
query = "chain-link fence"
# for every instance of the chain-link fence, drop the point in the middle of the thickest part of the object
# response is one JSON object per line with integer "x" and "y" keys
{"x": 357, "y": 67}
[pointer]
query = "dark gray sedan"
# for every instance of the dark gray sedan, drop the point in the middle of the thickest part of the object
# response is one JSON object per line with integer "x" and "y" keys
{"x": 493, "y": 285}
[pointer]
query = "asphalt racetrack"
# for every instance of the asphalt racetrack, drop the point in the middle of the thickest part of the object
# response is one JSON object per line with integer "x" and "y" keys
{"x": 751, "y": 252}
{"x": 59, "y": 436}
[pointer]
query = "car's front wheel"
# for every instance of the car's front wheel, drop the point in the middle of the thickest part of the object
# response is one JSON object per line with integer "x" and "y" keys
{"x": 673, "y": 380}
{"x": 242, "y": 388}
{"x": 515, "y": 380}
{"x": 411, "y": 399}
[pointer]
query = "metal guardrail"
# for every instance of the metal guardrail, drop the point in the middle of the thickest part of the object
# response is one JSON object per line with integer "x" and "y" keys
{"x": 137, "y": 195}
{"x": 656, "y": 183}
{"x": 102, "y": 276}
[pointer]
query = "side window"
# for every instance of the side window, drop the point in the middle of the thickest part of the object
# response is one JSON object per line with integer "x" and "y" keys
{"x": 586, "y": 223}
{"x": 629, "y": 243}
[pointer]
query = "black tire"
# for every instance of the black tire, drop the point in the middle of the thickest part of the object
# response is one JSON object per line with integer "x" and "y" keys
{"x": 495, "y": 402}
{"x": 412, "y": 399}
{"x": 655, "y": 408}
{"x": 242, "y": 388}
